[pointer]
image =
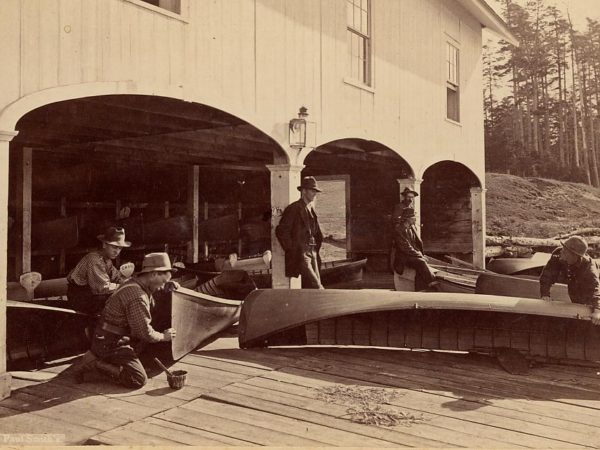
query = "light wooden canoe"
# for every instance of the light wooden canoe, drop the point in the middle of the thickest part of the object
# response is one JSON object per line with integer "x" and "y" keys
{"x": 54, "y": 287}
{"x": 198, "y": 317}
{"x": 428, "y": 320}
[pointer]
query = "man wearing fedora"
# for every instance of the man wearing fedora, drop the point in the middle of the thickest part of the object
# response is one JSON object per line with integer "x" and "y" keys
{"x": 95, "y": 277}
{"x": 124, "y": 329}
{"x": 409, "y": 251}
{"x": 300, "y": 236}
{"x": 571, "y": 265}
{"x": 408, "y": 199}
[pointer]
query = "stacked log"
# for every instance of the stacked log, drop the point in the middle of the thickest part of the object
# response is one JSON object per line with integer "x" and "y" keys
{"x": 523, "y": 247}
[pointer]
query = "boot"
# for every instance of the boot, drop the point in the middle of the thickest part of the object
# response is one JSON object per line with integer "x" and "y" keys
{"x": 87, "y": 364}
{"x": 110, "y": 370}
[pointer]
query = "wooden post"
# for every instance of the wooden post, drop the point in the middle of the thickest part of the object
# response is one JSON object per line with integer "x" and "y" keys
{"x": 239, "y": 213}
{"x": 205, "y": 218}
{"x": 415, "y": 185}
{"x": 478, "y": 226}
{"x": 63, "y": 252}
{"x": 193, "y": 211}
{"x": 5, "y": 137}
{"x": 166, "y": 215}
{"x": 23, "y": 219}
{"x": 285, "y": 179}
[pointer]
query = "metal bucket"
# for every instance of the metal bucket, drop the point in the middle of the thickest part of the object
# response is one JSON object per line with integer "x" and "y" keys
{"x": 177, "y": 380}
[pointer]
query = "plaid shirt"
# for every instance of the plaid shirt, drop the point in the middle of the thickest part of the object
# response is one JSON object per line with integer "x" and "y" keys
{"x": 129, "y": 307}
{"x": 97, "y": 272}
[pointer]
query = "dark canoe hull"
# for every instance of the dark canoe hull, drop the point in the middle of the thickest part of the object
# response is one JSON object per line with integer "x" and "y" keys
{"x": 173, "y": 230}
{"x": 55, "y": 234}
{"x": 455, "y": 283}
{"x": 199, "y": 317}
{"x": 37, "y": 333}
{"x": 513, "y": 266}
{"x": 224, "y": 228}
{"x": 332, "y": 273}
{"x": 504, "y": 285}
{"x": 440, "y": 321}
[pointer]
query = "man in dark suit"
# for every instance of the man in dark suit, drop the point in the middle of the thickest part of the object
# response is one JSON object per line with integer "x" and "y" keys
{"x": 300, "y": 236}
{"x": 409, "y": 251}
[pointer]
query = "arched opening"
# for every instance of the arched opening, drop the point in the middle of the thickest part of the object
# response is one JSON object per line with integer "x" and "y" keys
{"x": 179, "y": 176}
{"x": 370, "y": 171}
{"x": 446, "y": 211}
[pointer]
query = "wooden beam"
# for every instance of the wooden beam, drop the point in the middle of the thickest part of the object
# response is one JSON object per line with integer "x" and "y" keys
{"x": 193, "y": 199}
{"x": 23, "y": 204}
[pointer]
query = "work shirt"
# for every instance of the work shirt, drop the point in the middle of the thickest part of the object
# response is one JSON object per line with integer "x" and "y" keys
{"x": 97, "y": 272}
{"x": 581, "y": 279}
{"x": 313, "y": 224}
{"x": 129, "y": 308}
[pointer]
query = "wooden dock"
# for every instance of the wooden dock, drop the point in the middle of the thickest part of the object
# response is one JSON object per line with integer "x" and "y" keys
{"x": 298, "y": 396}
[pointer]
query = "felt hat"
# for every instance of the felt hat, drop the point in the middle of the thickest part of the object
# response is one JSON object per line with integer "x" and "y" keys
{"x": 309, "y": 183}
{"x": 409, "y": 191}
{"x": 156, "y": 262}
{"x": 576, "y": 244}
{"x": 114, "y": 236}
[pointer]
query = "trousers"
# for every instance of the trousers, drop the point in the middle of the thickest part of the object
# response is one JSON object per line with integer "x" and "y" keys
{"x": 309, "y": 270}
{"x": 119, "y": 350}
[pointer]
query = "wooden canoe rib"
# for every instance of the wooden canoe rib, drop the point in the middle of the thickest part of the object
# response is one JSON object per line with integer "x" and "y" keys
{"x": 197, "y": 317}
{"x": 440, "y": 321}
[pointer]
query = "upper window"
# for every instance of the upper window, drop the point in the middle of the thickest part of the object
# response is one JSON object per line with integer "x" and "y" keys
{"x": 452, "y": 83}
{"x": 359, "y": 39}
{"x": 169, "y": 5}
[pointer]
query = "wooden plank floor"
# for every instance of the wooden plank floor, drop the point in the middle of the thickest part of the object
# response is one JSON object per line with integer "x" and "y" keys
{"x": 278, "y": 397}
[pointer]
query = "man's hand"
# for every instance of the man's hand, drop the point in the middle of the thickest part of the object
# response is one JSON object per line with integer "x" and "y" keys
{"x": 596, "y": 317}
{"x": 169, "y": 334}
{"x": 171, "y": 286}
{"x": 546, "y": 298}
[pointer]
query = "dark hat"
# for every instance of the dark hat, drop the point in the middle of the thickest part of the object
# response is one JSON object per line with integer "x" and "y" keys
{"x": 409, "y": 191}
{"x": 309, "y": 183}
{"x": 156, "y": 262}
{"x": 407, "y": 213}
{"x": 576, "y": 244}
{"x": 114, "y": 236}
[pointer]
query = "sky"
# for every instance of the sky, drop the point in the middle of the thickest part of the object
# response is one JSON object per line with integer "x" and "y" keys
{"x": 579, "y": 10}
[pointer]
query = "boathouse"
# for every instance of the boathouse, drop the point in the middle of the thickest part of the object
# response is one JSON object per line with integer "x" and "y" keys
{"x": 164, "y": 114}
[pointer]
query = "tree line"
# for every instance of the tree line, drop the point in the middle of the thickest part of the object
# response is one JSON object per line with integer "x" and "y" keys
{"x": 548, "y": 124}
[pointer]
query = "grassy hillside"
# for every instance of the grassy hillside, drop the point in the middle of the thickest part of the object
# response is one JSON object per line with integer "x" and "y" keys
{"x": 537, "y": 207}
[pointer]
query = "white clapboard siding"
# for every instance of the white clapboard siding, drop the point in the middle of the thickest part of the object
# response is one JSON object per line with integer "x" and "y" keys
{"x": 263, "y": 59}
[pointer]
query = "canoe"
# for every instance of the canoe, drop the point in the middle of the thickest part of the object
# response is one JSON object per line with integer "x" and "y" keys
{"x": 426, "y": 320}
{"x": 333, "y": 273}
{"x": 54, "y": 287}
{"x": 54, "y": 235}
{"x": 520, "y": 266}
{"x": 197, "y": 317}
{"x": 230, "y": 284}
{"x": 496, "y": 284}
{"x": 36, "y": 333}
{"x": 224, "y": 228}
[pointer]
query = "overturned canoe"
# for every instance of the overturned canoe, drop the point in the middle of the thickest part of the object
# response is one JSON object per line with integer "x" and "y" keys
{"x": 441, "y": 321}
{"x": 54, "y": 287}
{"x": 37, "y": 333}
{"x": 197, "y": 317}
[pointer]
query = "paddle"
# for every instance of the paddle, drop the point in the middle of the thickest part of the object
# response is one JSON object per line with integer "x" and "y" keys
{"x": 162, "y": 366}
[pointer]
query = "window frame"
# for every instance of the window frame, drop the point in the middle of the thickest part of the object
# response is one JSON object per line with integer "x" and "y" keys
{"x": 181, "y": 16}
{"x": 452, "y": 79}
{"x": 365, "y": 78}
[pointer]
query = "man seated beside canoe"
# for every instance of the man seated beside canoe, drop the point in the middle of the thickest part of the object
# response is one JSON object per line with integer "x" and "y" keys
{"x": 124, "y": 329}
{"x": 569, "y": 264}
{"x": 408, "y": 251}
{"x": 95, "y": 277}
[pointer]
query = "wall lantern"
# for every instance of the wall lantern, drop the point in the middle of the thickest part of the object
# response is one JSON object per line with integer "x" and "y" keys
{"x": 300, "y": 130}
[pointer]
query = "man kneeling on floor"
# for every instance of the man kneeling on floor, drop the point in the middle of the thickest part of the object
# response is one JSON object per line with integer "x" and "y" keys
{"x": 124, "y": 327}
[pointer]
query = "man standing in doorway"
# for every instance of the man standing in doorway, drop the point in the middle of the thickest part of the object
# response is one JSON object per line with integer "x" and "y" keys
{"x": 300, "y": 236}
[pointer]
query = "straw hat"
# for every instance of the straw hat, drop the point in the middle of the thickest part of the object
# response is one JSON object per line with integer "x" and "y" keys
{"x": 156, "y": 262}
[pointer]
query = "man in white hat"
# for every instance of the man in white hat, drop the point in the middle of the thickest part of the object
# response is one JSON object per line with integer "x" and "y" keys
{"x": 124, "y": 327}
{"x": 300, "y": 236}
{"x": 569, "y": 264}
{"x": 95, "y": 277}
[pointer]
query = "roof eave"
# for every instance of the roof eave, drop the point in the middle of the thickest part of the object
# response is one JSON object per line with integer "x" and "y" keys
{"x": 488, "y": 18}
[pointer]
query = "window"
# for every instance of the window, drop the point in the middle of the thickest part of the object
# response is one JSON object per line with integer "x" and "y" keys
{"x": 359, "y": 40}
{"x": 452, "y": 83}
{"x": 169, "y": 5}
